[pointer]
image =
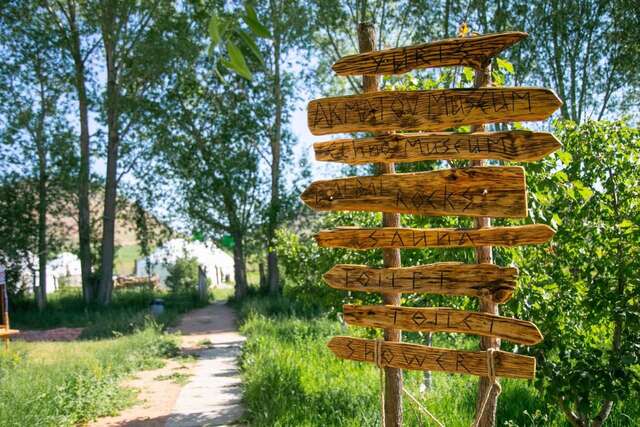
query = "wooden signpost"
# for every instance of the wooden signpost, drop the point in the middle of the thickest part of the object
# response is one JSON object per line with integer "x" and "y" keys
{"x": 423, "y": 358}
{"x": 432, "y": 110}
{"x": 5, "y": 329}
{"x": 474, "y": 52}
{"x": 495, "y": 191}
{"x": 440, "y": 319}
{"x": 523, "y": 146}
{"x": 443, "y": 278}
{"x": 480, "y": 192}
{"x": 389, "y": 237}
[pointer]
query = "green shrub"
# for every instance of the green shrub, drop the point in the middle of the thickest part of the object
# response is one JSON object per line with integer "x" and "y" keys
{"x": 183, "y": 275}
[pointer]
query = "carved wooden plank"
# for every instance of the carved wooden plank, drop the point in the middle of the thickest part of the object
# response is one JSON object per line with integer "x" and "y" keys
{"x": 443, "y": 278}
{"x": 422, "y": 358}
{"x": 432, "y": 110}
{"x": 524, "y": 146}
{"x": 8, "y": 332}
{"x": 370, "y": 238}
{"x": 489, "y": 191}
{"x": 440, "y": 319}
{"x": 474, "y": 52}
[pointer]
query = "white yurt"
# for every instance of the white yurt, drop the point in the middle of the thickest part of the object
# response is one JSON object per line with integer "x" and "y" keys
{"x": 217, "y": 263}
{"x": 62, "y": 271}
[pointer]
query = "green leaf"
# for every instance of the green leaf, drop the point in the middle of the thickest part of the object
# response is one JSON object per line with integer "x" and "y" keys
{"x": 564, "y": 157}
{"x": 251, "y": 19}
{"x": 505, "y": 65}
{"x": 251, "y": 44}
{"x": 237, "y": 62}
{"x": 214, "y": 29}
{"x": 468, "y": 73}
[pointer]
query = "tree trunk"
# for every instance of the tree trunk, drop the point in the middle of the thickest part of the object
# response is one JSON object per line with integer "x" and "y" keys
{"x": 239, "y": 267}
{"x": 276, "y": 137}
{"x": 84, "y": 224}
{"x": 41, "y": 293}
{"x": 393, "y": 376}
{"x": 113, "y": 141}
{"x": 484, "y": 255}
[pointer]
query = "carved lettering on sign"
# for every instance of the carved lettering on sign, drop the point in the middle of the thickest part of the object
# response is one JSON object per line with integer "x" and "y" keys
{"x": 445, "y": 278}
{"x": 398, "y": 148}
{"x": 388, "y": 237}
{"x": 486, "y": 191}
{"x": 469, "y": 51}
{"x": 442, "y": 320}
{"x": 423, "y": 358}
{"x": 429, "y": 110}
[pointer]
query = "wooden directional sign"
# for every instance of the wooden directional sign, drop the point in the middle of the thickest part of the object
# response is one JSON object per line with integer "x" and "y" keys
{"x": 432, "y": 110}
{"x": 423, "y": 358}
{"x": 482, "y": 191}
{"x": 442, "y": 320}
{"x": 524, "y": 146}
{"x": 444, "y": 278}
{"x": 8, "y": 332}
{"x": 474, "y": 52}
{"x": 390, "y": 237}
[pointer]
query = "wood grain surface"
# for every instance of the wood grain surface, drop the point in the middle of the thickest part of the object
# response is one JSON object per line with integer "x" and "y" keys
{"x": 473, "y": 52}
{"x": 432, "y": 110}
{"x": 394, "y": 237}
{"x": 523, "y": 146}
{"x": 443, "y": 278}
{"x": 439, "y": 319}
{"x": 495, "y": 191}
{"x": 423, "y": 358}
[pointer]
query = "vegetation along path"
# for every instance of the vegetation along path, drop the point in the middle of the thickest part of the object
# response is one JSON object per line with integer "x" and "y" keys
{"x": 212, "y": 395}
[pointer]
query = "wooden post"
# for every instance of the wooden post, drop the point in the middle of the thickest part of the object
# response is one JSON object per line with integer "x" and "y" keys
{"x": 4, "y": 305}
{"x": 484, "y": 255}
{"x": 393, "y": 376}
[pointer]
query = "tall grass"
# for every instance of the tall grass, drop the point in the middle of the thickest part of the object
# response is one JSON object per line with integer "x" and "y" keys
{"x": 127, "y": 312}
{"x": 63, "y": 384}
{"x": 292, "y": 379}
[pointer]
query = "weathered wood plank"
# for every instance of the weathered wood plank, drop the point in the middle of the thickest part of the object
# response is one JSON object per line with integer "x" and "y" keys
{"x": 473, "y": 52}
{"x": 422, "y": 358}
{"x": 524, "y": 146}
{"x": 492, "y": 191}
{"x": 443, "y": 278}
{"x": 370, "y": 238}
{"x": 439, "y": 319}
{"x": 8, "y": 332}
{"x": 432, "y": 110}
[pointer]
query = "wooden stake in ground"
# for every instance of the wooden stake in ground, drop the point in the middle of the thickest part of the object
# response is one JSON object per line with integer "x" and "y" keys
{"x": 484, "y": 255}
{"x": 393, "y": 376}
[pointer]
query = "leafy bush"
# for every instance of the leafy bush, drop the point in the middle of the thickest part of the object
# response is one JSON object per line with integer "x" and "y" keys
{"x": 183, "y": 275}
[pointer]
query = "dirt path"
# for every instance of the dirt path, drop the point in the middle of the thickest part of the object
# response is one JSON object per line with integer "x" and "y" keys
{"x": 212, "y": 395}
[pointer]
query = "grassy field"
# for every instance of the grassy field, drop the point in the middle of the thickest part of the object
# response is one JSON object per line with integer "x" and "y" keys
{"x": 127, "y": 312}
{"x": 125, "y": 260}
{"x": 292, "y": 379}
{"x": 63, "y": 384}
{"x": 68, "y": 383}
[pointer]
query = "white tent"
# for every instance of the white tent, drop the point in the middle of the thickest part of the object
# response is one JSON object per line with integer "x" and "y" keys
{"x": 62, "y": 270}
{"x": 217, "y": 264}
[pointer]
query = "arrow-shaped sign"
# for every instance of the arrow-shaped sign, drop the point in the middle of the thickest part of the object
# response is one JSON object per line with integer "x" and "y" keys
{"x": 524, "y": 146}
{"x": 433, "y": 110}
{"x": 473, "y": 52}
{"x": 481, "y": 191}
{"x": 444, "y": 278}
{"x": 423, "y": 358}
{"x": 440, "y": 319}
{"x": 391, "y": 237}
